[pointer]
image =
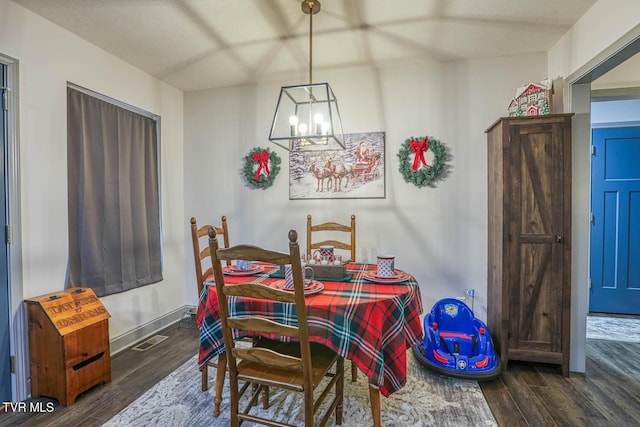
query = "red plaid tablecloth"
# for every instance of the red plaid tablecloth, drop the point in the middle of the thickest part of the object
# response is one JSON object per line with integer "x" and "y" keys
{"x": 371, "y": 324}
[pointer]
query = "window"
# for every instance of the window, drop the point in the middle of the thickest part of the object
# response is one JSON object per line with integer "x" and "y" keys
{"x": 114, "y": 198}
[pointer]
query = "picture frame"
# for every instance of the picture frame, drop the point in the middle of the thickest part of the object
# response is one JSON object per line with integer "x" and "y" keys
{"x": 357, "y": 172}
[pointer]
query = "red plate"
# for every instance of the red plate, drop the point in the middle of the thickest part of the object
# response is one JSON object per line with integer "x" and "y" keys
{"x": 231, "y": 270}
{"x": 399, "y": 276}
{"x": 311, "y": 289}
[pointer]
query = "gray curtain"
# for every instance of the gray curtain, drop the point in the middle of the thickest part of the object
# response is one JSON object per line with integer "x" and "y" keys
{"x": 114, "y": 204}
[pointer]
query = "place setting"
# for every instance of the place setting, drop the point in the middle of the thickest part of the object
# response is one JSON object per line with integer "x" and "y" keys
{"x": 385, "y": 271}
{"x": 242, "y": 268}
{"x": 311, "y": 286}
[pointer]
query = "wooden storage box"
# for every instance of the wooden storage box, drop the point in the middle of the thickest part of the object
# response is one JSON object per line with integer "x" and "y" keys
{"x": 68, "y": 344}
{"x": 329, "y": 271}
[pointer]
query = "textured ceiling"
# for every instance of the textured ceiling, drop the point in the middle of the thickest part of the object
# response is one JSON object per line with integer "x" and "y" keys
{"x": 200, "y": 44}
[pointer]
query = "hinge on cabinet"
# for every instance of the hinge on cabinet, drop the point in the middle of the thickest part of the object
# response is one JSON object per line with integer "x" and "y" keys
{"x": 593, "y": 150}
{"x": 12, "y": 364}
{"x": 593, "y": 218}
{"x": 8, "y": 234}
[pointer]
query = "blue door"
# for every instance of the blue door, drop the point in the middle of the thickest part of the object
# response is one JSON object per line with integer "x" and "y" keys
{"x": 5, "y": 372}
{"x": 615, "y": 229}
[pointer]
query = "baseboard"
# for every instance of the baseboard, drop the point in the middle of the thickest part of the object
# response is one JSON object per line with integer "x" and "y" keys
{"x": 142, "y": 332}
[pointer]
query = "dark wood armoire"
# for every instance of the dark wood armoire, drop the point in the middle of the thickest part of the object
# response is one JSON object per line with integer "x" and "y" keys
{"x": 529, "y": 259}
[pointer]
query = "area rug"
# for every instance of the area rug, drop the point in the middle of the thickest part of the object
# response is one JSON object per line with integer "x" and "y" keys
{"x": 428, "y": 399}
{"x": 625, "y": 329}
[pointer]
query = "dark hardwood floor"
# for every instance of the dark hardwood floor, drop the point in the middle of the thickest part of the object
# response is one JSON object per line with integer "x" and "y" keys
{"x": 526, "y": 394}
{"x": 607, "y": 394}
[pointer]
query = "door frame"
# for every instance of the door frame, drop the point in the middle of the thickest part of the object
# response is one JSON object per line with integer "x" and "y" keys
{"x": 577, "y": 93}
{"x": 5, "y": 348}
{"x": 18, "y": 337}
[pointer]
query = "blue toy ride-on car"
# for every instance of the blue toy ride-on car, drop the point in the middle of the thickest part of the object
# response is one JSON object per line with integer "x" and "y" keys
{"x": 457, "y": 344}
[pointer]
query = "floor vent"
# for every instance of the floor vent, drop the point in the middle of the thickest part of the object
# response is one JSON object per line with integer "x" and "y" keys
{"x": 151, "y": 342}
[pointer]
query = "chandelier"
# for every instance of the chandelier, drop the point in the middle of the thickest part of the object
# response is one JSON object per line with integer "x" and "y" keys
{"x": 307, "y": 116}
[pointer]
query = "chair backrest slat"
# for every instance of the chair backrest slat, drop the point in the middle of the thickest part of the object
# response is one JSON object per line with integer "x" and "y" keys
{"x": 256, "y": 290}
{"x": 254, "y": 253}
{"x": 269, "y": 357}
{"x": 263, "y": 326}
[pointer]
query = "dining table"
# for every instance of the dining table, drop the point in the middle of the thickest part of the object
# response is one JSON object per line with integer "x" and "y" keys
{"x": 369, "y": 320}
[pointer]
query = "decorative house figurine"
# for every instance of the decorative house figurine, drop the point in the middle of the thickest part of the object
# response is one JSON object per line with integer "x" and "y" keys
{"x": 533, "y": 99}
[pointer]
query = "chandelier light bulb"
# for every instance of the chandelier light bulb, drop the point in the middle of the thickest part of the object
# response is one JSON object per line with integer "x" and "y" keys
{"x": 293, "y": 123}
{"x": 302, "y": 128}
{"x": 326, "y": 127}
{"x": 318, "y": 118}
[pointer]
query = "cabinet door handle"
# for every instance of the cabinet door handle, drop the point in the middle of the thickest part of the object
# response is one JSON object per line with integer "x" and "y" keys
{"x": 559, "y": 239}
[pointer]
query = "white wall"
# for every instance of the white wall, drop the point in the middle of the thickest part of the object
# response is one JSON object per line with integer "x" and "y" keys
{"x": 626, "y": 75}
{"x": 438, "y": 234}
{"x": 601, "y": 26}
{"x": 614, "y": 112}
{"x": 49, "y": 57}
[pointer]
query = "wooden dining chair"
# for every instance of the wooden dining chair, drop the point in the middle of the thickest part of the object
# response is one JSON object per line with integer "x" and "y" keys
{"x": 204, "y": 269}
{"x": 299, "y": 365}
{"x": 323, "y": 230}
{"x": 201, "y": 256}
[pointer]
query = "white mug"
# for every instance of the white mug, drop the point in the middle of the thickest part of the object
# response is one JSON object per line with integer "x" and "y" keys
{"x": 386, "y": 266}
{"x": 288, "y": 276}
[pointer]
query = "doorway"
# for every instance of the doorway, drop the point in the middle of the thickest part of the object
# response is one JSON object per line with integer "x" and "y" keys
{"x": 615, "y": 221}
{"x": 5, "y": 312}
{"x": 578, "y": 93}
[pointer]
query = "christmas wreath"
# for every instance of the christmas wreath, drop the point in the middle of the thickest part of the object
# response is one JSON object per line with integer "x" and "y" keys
{"x": 261, "y": 167}
{"x": 418, "y": 171}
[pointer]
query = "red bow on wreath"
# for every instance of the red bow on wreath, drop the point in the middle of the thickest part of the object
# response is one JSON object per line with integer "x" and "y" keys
{"x": 263, "y": 162}
{"x": 419, "y": 148}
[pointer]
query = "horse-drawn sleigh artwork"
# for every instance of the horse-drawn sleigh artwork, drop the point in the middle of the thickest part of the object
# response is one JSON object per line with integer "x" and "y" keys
{"x": 355, "y": 172}
{"x": 368, "y": 169}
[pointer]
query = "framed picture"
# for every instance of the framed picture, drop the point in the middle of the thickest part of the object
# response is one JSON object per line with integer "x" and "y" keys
{"x": 357, "y": 172}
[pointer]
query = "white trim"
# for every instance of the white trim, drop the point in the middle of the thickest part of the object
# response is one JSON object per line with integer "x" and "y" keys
{"x": 634, "y": 123}
{"x": 142, "y": 332}
{"x": 623, "y": 94}
{"x": 18, "y": 335}
{"x": 114, "y": 101}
